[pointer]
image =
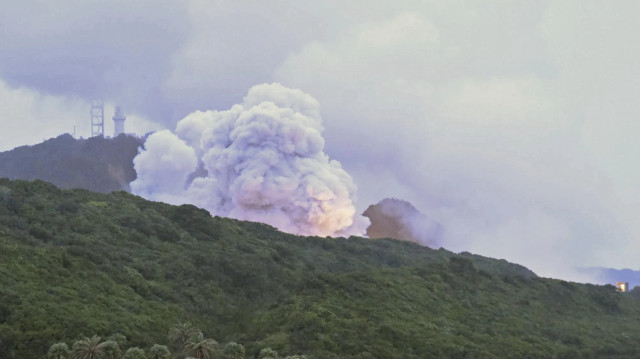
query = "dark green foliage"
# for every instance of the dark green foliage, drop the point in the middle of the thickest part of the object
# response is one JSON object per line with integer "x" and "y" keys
{"x": 120, "y": 340}
{"x": 234, "y": 350}
{"x": 635, "y": 292}
{"x": 75, "y": 263}
{"x": 97, "y": 164}
{"x": 59, "y": 351}
{"x": 134, "y": 353}
{"x": 112, "y": 350}
{"x": 159, "y": 352}
{"x": 268, "y": 353}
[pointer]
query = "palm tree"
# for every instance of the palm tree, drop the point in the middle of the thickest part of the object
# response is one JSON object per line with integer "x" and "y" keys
{"x": 200, "y": 348}
{"x": 180, "y": 334}
{"x": 234, "y": 350}
{"x": 159, "y": 352}
{"x": 58, "y": 351}
{"x": 88, "y": 348}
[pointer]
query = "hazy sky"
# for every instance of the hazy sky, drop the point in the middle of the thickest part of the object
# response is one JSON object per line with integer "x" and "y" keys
{"x": 513, "y": 123}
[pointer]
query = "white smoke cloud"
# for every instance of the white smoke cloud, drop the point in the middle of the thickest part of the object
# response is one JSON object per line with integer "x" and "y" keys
{"x": 262, "y": 160}
{"x": 163, "y": 167}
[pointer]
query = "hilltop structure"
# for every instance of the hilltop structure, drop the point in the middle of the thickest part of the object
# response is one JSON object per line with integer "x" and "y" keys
{"x": 118, "y": 122}
{"x": 97, "y": 118}
{"x": 622, "y": 286}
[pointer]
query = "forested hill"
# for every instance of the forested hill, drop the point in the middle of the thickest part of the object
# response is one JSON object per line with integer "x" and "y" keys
{"x": 97, "y": 164}
{"x": 75, "y": 263}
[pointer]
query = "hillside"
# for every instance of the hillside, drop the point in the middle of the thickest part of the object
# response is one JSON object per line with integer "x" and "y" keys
{"x": 97, "y": 164}
{"x": 74, "y": 263}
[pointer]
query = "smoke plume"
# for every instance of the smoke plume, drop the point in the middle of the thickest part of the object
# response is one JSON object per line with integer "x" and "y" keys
{"x": 262, "y": 160}
{"x": 394, "y": 218}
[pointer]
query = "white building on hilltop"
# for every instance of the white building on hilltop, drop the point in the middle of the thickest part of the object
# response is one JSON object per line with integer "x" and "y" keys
{"x": 118, "y": 122}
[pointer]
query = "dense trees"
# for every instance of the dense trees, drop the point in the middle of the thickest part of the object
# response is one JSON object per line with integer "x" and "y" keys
{"x": 112, "y": 349}
{"x": 74, "y": 263}
{"x": 234, "y": 350}
{"x": 134, "y": 353}
{"x": 158, "y": 351}
{"x": 59, "y": 351}
{"x": 195, "y": 346}
{"x": 268, "y": 353}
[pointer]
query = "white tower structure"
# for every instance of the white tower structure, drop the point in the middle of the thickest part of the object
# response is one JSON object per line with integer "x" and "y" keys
{"x": 97, "y": 118}
{"x": 118, "y": 122}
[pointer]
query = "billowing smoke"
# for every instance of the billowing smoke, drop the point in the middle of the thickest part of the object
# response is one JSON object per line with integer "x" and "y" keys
{"x": 394, "y": 218}
{"x": 262, "y": 160}
{"x": 163, "y": 168}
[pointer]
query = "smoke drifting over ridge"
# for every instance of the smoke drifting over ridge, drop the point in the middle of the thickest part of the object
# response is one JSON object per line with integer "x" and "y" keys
{"x": 394, "y": 218}
{"x": 262, "y": 160}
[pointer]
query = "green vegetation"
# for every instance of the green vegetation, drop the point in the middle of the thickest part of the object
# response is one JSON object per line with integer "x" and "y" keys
{"x": 59, "y": 351}
{"x": 74, "y": 264}
{"x": 234, "y": 350}
{"x": 193, "y": 347}
{"x": 97, "y": 164}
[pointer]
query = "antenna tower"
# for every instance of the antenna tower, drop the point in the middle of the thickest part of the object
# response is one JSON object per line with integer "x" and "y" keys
{"x": 97, "y": 118}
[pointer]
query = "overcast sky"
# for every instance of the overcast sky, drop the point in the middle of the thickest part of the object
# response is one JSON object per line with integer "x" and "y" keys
{"x": 512, "y": 123}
